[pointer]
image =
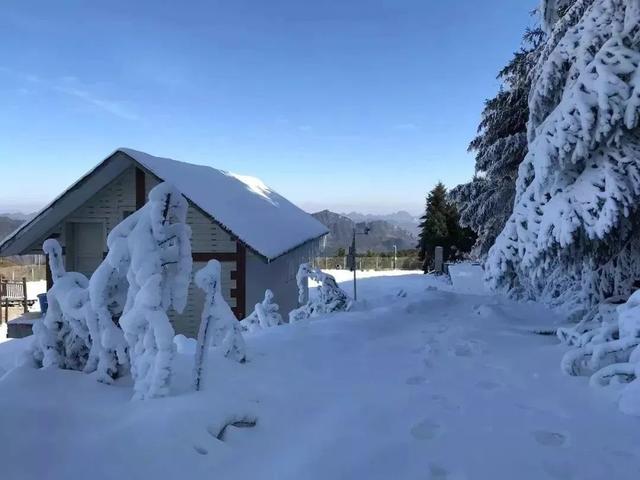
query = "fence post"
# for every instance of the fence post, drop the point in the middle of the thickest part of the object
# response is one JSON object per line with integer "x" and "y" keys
{"x": 24, "y": 293}
{"x": 6, "y": 301}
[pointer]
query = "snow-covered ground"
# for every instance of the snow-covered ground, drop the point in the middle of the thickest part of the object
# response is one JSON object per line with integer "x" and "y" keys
{"x": 427, "y": 383}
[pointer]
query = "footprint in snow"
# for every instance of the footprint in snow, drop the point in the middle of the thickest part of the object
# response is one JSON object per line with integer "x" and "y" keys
{"x": 200, "y": 450}
{"x": 467, "y": 348}
{"x": 445, "y": 403}
{"x": 558, "y": 471}
{"x": 488, "y": 385}
{"x": 437, "y": 472}
{"x": 426, "y": 430}
{"x": 415, "y": 380}
{"x": 549, "y": 439}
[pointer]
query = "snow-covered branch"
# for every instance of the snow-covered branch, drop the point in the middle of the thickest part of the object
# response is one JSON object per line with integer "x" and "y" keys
{"x": 330, "y": 297}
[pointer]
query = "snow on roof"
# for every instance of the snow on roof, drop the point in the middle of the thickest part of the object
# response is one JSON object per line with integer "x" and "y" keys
{"x": 260, "y": 217}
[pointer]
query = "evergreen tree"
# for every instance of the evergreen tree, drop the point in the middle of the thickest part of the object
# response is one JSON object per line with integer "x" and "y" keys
{"x": 486, "y": 202}
{"x": 440, "y": 227}
{"x": 574, "y": 236}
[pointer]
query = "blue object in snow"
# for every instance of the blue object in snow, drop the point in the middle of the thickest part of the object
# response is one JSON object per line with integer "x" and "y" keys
{"x": 44, "y": 304}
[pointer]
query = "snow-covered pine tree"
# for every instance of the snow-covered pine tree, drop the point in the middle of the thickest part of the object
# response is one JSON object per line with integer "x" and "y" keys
{"x": 486, "y": 202}
{"x": 551, "y": 11}
{"x": 219, "y": 327}
{"x": 329, "y": 298}
{"x": 433, "y": 224}
{"x": 440, "y": 226}
{"x": 158, "y": 245}
{"x": 266, "y": 314}
{"x": 572, "y": 239}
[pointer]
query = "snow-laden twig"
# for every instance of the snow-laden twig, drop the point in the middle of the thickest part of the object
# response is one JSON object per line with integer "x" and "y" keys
{"x": 219, "y": 327}
{"x": 266, "y": 314}
{"x": 330, "y": 297}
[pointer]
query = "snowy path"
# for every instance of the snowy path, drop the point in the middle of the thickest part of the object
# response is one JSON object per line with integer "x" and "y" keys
{"x": 436, "y": 385}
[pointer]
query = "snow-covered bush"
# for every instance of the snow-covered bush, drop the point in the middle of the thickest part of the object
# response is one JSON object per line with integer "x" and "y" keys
{"x": 146, "y": 271}
{"x": 62, "y": 337}
{"x": 330, "y": 297}
{"x": 266, "y": 314}
{"x": 573, "y": 238}
{"x": 610, "y": 351}
{"x": 219, "y": 327}
{"x": 71, "y": 334}
{"x": 155, "y": 242}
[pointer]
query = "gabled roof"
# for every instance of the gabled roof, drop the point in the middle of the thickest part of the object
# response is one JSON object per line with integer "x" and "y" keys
{"x": 262, "y": 219}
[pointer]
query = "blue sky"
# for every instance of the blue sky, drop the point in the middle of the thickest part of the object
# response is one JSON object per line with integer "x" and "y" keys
{"x": 338, "y": 104}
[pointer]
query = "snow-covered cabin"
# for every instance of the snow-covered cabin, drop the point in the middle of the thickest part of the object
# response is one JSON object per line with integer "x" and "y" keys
{"x": 259, "y": 236}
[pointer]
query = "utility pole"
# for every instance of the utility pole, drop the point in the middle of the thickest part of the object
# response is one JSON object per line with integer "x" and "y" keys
{"x": 352, "y": 257}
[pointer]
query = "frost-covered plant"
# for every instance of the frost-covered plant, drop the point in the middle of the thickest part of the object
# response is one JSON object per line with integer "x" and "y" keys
{"x": 71, "y": 334}
{"x": 330, "y": 297}
{"x": 155, "y": 244}
{"x": 219, "y": 327}
{"x": 266, "y": 314}
{"x": 146, "y": 271}
{"x": 572, "y": 239}
{"x": 62, "y": 337}
{"x": 611, "y": 351}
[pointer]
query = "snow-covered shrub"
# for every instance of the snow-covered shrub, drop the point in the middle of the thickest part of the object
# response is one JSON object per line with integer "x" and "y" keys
{"x": 573, "y": 238}
{"x": 219, "y": 326}
{"x": 608, "y": 349}
{"x": 330, "y": 297}
{"x": 266, "y": 314}
{"x": 107, "y": 293}
{"x": 62, "y": 337}
{"x": 155, "y": 245}
{"x": 146, "y": 271}
{"x": 615, "y": 356}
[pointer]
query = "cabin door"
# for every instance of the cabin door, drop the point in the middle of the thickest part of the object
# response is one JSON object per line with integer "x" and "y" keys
{"x": 87, "y": 245}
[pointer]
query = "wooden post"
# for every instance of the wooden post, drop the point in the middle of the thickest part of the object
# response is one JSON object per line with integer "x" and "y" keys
{"x": 24, "y": 293}
{"x": 6, "y": 302}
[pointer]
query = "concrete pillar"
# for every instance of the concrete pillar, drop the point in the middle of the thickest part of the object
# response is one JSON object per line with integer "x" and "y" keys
{"x": 438, "y": 260}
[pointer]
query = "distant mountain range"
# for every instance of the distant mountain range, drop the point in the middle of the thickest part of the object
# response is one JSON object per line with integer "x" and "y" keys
{"x": 382, "y": 236}
{"x": 398, "y": 229}
{"x": 400, "y": 219}
{"x": 8, "y": 224}
{"x": 17, "y": 216}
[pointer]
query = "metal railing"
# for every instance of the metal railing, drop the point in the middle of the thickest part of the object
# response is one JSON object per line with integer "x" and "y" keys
{"x": 369, "y": 263}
